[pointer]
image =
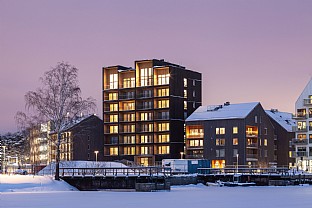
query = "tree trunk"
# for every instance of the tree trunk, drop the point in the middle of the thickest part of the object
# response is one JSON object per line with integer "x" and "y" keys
{"x": 57, "y": 162}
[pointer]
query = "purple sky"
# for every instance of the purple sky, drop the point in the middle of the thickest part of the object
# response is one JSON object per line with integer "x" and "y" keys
{"x": 247, "y": 50}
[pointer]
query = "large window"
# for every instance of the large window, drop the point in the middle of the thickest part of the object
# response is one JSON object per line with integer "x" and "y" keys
{"x": 129, "y": 128}
{"x": 113, "y": 96}
{"x": 145, "y": 150}
{"x": 147, "y": 127}
{"x": 129, "y": 139}
{"x": 113, "y": 151}
{"x": 196, "y": 143}
{"x": 146, "y": 76}
{"x": 129, "y": 82}
{"x": 195, "y": 132}
{"x": 163, "y": 138}
{"x": 129, "y": 150}
{"x": 113, "y": 118}
{"x": 163, "y": 92}
{"x": 146, "y": 139}
{"x": 220, "y": 142}
{"x": 163, "y": 150}
{"x": 146, "y": 116}
{"x": 113, "y": 81}
{"x": 113, "y": 107}
{"x": 113, "y": 129}
{"x": 220, "y": 153}
{"x": 129, "y": 117}
{"x": 128, "y": 106}
{"x": 163, "y": 103}
{"x": 163, "y": 79}
{"x": 220, "y": 130}
{"x": 163, "y": 127}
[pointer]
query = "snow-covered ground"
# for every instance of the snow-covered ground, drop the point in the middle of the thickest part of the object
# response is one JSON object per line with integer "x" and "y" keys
{"x": 180, "y": 196}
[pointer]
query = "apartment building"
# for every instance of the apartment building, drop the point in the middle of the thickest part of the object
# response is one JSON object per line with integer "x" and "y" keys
{"x": 231, "y": 134}
{"x": 144, "y": 110}
{"x": 303, "y": 129}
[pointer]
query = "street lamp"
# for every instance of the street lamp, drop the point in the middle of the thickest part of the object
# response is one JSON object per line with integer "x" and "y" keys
{"x": 236, "y": 163}
{"x": 181, "y": 153}
{"x": 96, "y": 153}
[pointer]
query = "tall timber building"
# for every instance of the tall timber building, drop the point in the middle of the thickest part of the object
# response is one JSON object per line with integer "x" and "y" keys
{"x": 144, "y": 110}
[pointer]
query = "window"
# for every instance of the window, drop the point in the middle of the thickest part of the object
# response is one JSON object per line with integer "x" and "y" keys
{"x": 129, "y": 139}
{"x": 113, "y": 151}
{"x": 196, "y": 143}
{"x": 235, "y": 141}
{"x": 265, "y": 142}
{"x": 163, "y": 92}
{"x": 194, "y": 82}
{"x": 146, "y": 139}
{"x": 113, "y": 96}
{"x": 113, "y": 129}
{"x": 220, "y": 130}
{"x": 163, "y": 150}
{"x": 194, "y": 93}
{"x": 185, "y": 82}
{"x": 163, "y": 103}
{"x": 265, "y": 131}
{"x": 220, "y": 142}
{"x": 185, "y": 93}
{"x": 114, "y": 140}
{"x": 147, "y": 127}
{"x": 113, "y": 118}
{"x": 220, "y": 153}
{"x": 129, "y": 82}
{"x": 146, "y": 76}
{"x": 235, "y": 152}
{"x": 128, "y": 106}
{"x": 195, "y": 131}
{"x": 129, "y": 128}
{"x": 302, "y": 125}
{"x": 129, "y": 117}
{"x": 185, "y": 105}
{"x": 290, "y": 154}
{"x": 265, "y": 153}
{"x": 256, "y": 119}
{"x": 113, "y": 81}
{"x": 113, "y": 107}
{"x": 163, "y": 79}
{"x": 163, "y": 138}
{"x": 146, "y": 116}
{"x": 129, "y": 150}
{"x": 235, "y": 130}
{"x": 145, "y": 150}
{"x": 147, "y": 93}
{"x": 147, "y": 104}
{"x": 163, "y": 127}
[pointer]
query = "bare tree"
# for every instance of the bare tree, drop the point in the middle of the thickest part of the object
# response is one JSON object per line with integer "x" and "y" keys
{"x": 58, "y": 99}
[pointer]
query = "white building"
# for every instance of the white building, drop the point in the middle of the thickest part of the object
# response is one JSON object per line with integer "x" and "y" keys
{"x": 303, "y": 129}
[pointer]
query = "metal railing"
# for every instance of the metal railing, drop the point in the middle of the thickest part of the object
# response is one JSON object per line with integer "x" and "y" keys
{"x": 208, "y": 171}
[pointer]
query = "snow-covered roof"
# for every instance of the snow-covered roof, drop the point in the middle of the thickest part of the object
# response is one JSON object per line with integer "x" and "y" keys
{"x": 75, "y": 121}
{"x": 220, "y": 112}
{"x": 282, "y": 118}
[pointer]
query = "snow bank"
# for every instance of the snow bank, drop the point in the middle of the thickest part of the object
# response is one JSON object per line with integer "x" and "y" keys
{"x": 30, "y": 183}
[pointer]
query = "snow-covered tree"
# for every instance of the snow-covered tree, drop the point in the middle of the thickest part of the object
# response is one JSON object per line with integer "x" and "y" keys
{"x": 57, "y": 100}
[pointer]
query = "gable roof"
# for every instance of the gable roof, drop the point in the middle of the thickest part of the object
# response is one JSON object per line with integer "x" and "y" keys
{"x": 230, "y": 111}
{"x": 284, "y": 119}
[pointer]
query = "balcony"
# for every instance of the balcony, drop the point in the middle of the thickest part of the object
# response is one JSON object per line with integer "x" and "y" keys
{"x": 301, "y": 129}
{"x": 299, "y": 116}
{"x": 126, "y": 97}
{"x": 252, "y": 134}
{"x": 307, "y": 102}
{"x": 252, "y": 145}
{"x": 296, "y": 141}
{"x": 251, "y": 157}
{"x": 301, "y": 154}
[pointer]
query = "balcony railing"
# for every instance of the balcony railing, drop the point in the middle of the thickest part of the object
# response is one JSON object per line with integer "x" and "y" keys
{"x": 301, "y": 129}
{"x": 307, "y": 101}
{"x": 299, "y": 116}
{"x": 251, "y": 134}
{"x": 301, "y": 154}
{"x": 296, "y": 141}
{"x": 253, "y": 156}
{"x": 253, "y": 145}
{"x": 126, "y": 97}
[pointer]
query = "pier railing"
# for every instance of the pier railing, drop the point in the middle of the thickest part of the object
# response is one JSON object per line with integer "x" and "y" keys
{"x": 208, "y": 171}
{"x": 120, "y": 171}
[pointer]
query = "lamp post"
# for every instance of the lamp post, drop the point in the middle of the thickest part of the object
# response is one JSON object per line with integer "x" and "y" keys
{"x": 96, "y": 154}
{"x": 181, "y": 153}
{"x": 236, "y": 163}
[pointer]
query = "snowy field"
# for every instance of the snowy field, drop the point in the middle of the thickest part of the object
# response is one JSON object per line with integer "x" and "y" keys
{"x": 51, "y": 194}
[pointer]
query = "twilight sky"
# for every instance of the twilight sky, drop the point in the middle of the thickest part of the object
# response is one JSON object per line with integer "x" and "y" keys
{"x": 246, "y": 50}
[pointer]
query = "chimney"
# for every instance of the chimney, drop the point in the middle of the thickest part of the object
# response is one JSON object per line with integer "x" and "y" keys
{"x": 227, "y": 103}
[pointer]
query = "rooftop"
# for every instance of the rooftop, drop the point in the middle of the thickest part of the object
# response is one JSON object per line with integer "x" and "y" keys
{"x": 219, "y": 112}
{"x": 282, "y": 118}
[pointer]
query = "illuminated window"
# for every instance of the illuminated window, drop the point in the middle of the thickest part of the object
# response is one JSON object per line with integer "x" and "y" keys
{"x": 113, "y": 81}
{"x": 196, "y": 143}
{"x": 113, "y": 129}
{"x": 163, "y": 103}
{"x": 163, "y": 150}
{"x": 220, "y": 142}
{"x": 128, "y": 106}
{"x": 146, "y": 116}
{"x": 163, "y": 138}
{"x": 163, "y": 79}
{"x": 235, "y": 141}
{"x": 185, "y": 82}
{"x": 146, "y": 139}
{"x": 195, "y": 131}
{"x": 129, "y": 117}
{"x": 113, "y": 107}
{"x": 113, "y": 151}
{"x": 146, "y": 76}
{"x": 220, "y": 130}
{"x": 147, "y": 127}
{"x": 163, "y": 127}
{"x": 290, "y": 154}
{"x": 265, "y": 142}
{"x": 113, "y": 118}
{"x": 113, "y": 96}
{"x": 185, "y": 105}
{"x": 163, "y": 92}
{"x": 129, "y": 150}
{"x": 129, "y": 82}
{"x": 235, "y": 130}
{"x": 129, "y": 128}
{"x": 185, "y": 93}
{"x": 145, "y": 150}
{"x": 129, "y": 139}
